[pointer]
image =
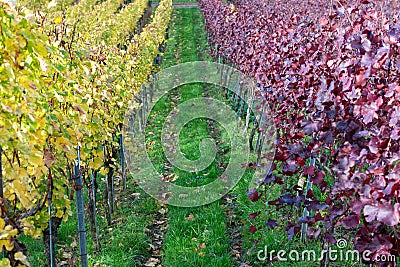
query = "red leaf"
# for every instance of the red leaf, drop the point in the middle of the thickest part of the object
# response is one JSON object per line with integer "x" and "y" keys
{"x": 318, "y": 178}
{"x": 253, "y": 229}
{"x": 370, "y": 212}
{"x": 389, "y": 215}
{"x": 309, "y": 170}
{"x": 271, "y": 223}
{"x": 323, "y": 21}
{"x": 351, "y": 221}
{"x": 255, "y": 196}
{"x": 253, "y": 215}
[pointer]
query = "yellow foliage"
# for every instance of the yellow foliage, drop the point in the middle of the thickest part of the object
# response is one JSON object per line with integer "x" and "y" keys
{"x": 53, "y": 100}
{"x": 6, "y": 235}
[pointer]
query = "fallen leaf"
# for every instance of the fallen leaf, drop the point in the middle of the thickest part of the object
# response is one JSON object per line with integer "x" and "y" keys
{"x": 190, "y": 217}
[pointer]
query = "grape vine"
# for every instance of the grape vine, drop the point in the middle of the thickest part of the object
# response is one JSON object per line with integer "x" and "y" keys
{"x": 63, "y": 88}
{"x": 331, "y": 77}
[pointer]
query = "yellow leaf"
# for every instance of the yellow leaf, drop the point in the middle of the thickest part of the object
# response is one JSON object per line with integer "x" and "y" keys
{"x": 59, "y": 213}
{"x": 103, "y": 171}
{"x": 22, "y": 193}
{"x": 36, "y": 160}
{"x": 58, "y": 20}
{"x": 97, "y": 163}
{"x": 7, "y": 244}
{"x": 24, "y": 82}
{"x": 5, "y": 262}
{"x": 22, "y": 258}
{"x": 41, "y": 49}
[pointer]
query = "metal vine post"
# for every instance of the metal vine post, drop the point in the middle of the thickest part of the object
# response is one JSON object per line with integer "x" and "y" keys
{"x": 80, "y": 210}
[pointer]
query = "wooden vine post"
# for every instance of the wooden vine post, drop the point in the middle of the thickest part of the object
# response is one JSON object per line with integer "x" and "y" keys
{"x": 80, "y": 211}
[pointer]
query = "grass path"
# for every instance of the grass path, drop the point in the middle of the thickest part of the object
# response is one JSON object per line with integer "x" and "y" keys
{"x": 216, "y": 234}
{"x": 195, "y": 236}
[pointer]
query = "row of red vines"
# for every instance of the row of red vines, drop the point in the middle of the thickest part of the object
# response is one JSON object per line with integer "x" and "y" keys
{"x": 333, "y": 83}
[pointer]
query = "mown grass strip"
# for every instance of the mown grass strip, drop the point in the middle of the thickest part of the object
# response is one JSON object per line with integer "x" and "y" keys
{"x": 196, "y": 236}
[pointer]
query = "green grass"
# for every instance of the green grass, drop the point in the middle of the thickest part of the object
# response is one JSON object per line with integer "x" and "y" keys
{"x": 124, "y": 243}
{"x": 196, "y": 236}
